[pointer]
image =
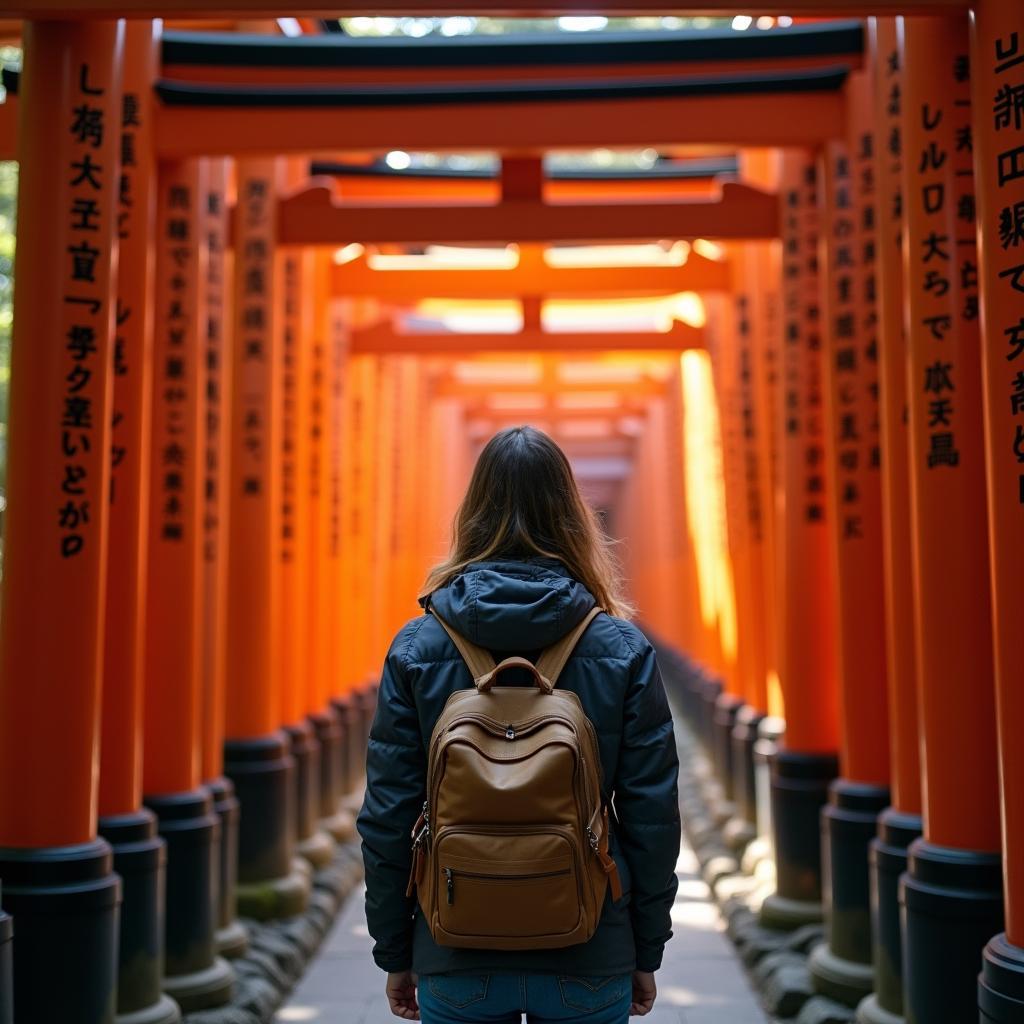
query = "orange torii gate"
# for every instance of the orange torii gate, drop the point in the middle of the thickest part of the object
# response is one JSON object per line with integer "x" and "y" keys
{"x": 828, "y": 470}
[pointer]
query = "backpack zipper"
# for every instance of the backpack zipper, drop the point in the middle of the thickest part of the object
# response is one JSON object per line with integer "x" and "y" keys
{"x": 450, "y": 873}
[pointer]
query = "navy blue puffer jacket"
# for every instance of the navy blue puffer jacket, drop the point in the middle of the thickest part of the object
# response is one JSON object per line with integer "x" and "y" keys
{"x": 520, "y": 608}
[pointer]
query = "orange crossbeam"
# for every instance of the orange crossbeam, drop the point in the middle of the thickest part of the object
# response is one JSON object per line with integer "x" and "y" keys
{"x": 774, "y": 118}
{"x": 532, "y": 276}
{"x": 313, "y": 217}
{"x": 383, "y": 340}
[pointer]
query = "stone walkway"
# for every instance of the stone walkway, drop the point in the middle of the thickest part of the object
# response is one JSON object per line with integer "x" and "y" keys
{"x": 701, "y": 981}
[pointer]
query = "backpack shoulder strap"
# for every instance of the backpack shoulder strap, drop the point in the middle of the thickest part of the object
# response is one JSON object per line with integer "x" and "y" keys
{"x": 479, "y": 661}
{"x": 552, "y": 661}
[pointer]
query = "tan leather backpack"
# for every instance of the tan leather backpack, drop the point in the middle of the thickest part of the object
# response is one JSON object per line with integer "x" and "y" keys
{"x": 511, "y": 850}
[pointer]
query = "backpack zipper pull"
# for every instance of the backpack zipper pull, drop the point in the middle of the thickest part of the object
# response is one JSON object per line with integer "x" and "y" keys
{"x": 510, "y": 733}
{"x": 451, "y": 885}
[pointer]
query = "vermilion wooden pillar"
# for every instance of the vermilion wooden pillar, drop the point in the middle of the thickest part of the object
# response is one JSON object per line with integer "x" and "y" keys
{"x": 751, "y": 575}
{"x": 806, "y": 762}
{"x": 139, "y": 853}
{"x": 740, "y": 643}
{"x": 296, "y": 657}
{"x": 951, "y": 895}
{"x": 325, "y": 483}
{"x": 215, "y": 346}
{"x": 195, "y": 976}
{"x": 900, "y": 823}
{"x": 57, "y": 875}
{"x": 257, "y": 758}
{"x": 842, "y": 966}
{"x": 997, "y": 74}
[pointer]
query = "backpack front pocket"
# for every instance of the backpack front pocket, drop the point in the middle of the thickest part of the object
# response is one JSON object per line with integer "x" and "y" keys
{"x": 506, "y": 886}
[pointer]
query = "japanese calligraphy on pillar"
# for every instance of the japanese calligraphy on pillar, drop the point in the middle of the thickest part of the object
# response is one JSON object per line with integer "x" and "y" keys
{"x": 998, "y": 94}
{"x": 849, "y": 287}
{"x": 942, "y": 271}
{"x": 255, "y": 318}
{"x": 130, "y": 321}
{"x": 801, "y": 354}
{"x": 337, "y": 354}
{"x": 1000, "y": 166}
{"x": 87, "y": 306}
{"x": 214, "y": 345}
{"x": 176, "y": 378}
{"x": 748, "y": 419}
{"x": 290, "y": 284}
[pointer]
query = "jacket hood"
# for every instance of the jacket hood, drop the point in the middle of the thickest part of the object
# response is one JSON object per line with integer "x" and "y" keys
{"x": 513, "y": 605}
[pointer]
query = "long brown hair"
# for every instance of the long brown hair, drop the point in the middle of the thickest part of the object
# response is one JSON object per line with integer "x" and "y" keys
{"x": 523, "y": 501}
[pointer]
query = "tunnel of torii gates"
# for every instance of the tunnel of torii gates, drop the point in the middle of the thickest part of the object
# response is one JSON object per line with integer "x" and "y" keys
{"x": 251, "y": 369}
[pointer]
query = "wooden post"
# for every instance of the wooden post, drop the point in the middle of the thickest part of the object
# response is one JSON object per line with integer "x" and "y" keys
{"x": 900, "y": 824}
{"x": 296, "y": 657}
{"x": 257, "y": 759}
{"x": 58, "y": 881}
{"x": 806, "y": 762}
{"x": 951, "y": 895}
{"x": 997, "y": 73}
{"x": 195, "y": 976}
{"x": 139, "y": 853}
{"x": 842, "y": 967}
{"x": 232, "y": 937}
{"x": 327, "y": 700}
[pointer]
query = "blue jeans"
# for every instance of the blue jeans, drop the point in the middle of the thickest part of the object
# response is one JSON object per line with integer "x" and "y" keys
{"x": 504, "y": 998}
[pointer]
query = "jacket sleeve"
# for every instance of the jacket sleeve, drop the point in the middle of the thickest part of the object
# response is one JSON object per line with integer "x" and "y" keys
{"x": 647, "y": 808}
{"x": 396, "y": 771}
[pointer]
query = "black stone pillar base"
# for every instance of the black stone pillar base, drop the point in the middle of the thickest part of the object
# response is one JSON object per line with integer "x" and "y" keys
{"x": 6, "y": 969}
{"x": 1001, "y": 985}
{"x": 799, "y": 790}
{"x": 711, "y": 690}
{"x": 871, "y": 1011}
{"x": 66, "y": 902}
{"x": 272, "y": 881}
{"x": 312, "y": 842}
{"x": 195, "y": 977}
{"x": 140, "y": 858}
{"x": 769, "y": 736}
{"x": 365, "y": 703}
{"x": 842, "y": 968}
{"x": 726, "y": 709}
{"x": 231, "y": 937}
{"x": 887, "y": 860}
{"x": 742, "y": 829}
{"x": 335, "y": 771}
{"x": 951, "y": 902}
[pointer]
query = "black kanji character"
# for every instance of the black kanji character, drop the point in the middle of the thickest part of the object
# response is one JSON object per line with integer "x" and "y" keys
{"x": 930, "y": 121}
{"x": 935, "y": 283}
{"x": 84, "y": 212}
{"x": 87, "y": 171}
{"x": 78, "y": 378}
{"x": 73, "y": 477}
{"x": 83, "y": 83}
{"x": 87, "y": 125}
{"x": 130, "y": 111}
{"x": 933, "y": 247}
{"x": 943, "y": 451}
{"x": 1011, "y": 165}
{"x": 1016, "y": 340}
{"x": 1016, "y": 277}
{"x": 1008, "y": 107}
{"x": 937, "y": 378}
{"x": 73, "y": 514}
{"x": 83, "y": 261}
{"x": 1011, "y": 225}
{"x": 81, "y": 341}
{"x": 939, "y": 412}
